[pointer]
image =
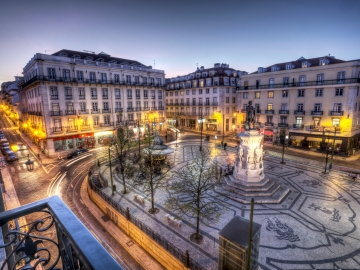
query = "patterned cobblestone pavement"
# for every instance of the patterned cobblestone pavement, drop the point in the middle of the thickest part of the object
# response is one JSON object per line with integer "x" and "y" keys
{"x": 314, "y": 227}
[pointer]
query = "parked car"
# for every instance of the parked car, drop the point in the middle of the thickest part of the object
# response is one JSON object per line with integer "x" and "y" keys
{"x": 76, "y": 153}
{"x": 5, "y": 145}
{"x": 5, "y": 149}
{"x": 11, "y": 157}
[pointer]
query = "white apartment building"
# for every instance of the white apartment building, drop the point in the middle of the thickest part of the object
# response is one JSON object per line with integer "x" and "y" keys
{"x": 74, "y": 99}
{"x": 310, "y": 98}
{"x": 206, "y": 93}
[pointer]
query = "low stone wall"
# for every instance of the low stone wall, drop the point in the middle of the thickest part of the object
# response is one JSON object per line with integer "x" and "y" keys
{"x": 154, "y": 249}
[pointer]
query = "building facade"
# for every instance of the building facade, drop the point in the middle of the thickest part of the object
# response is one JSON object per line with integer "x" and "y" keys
{"x": 208, "y": 94}
{"x": 73, "y": 99}
{"x": 10, "y": 99}
{"x": 315, "y": 101}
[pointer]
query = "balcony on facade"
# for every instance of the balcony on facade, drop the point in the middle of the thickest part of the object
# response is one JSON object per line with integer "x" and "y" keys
{"x": 269, "y": 124}
{"x": 161, "y": 108}
{"x": 298, "y": 112}
{"x": 82, "y": 97}
{"x": 336, "y": 113}
{"x": 258, "y": 124}
{"x": 71, "y": 128}
{"x": 65, "y": 242}
{"x": 54, "y": 97}
{"x": 215, "y": 104}
{"x": 106, "y": 124}
{"x": 57, "y": 129}
{"x": 55, "y": 113}
{"x": 107, "y": 110}
{"x": 301, "y": 84}
{"x": 68, "y": 96}
{"x": 95, "y": 111}
{"x": 130, "y": 109}
{"x": 85, "y": 127}
{"x": 117, "y": 109}
{"x": 70, "y": 112}
{"x": 93, "y": 96}
{"x": 83, "y": 111}
{"x": 269, "y": 111}
{"x": 258, "y": 111}
{"x": 317, "y": 112}
{"x": 137, "y": 109}
{"x": 153, "y": 108}
{"x": 283, "y": 125}
{"x": 298, "y": 126}
{"x": 146, "y": 108}
{"x": 283, "y": 111}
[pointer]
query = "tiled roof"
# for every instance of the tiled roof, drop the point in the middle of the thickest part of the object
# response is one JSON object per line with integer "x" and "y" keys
{"x": 298, "y": 63}
{"x": 106, "y": 57}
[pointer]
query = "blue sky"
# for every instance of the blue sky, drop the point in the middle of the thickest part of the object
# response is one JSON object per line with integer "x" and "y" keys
{"x": 180, "y": 34}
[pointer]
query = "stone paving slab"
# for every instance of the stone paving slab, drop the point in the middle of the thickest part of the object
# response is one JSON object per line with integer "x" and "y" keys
{"x": 314, "y": 227}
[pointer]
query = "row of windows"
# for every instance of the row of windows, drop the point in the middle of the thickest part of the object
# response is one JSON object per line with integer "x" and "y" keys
{"x": 201, "y": 111}
{"x": 300, "y": 93}
{"x": 103, "y": 77}
{"x": 200, "y": 100}
{"x": 337, "y": 107}
{"x": 94, "y": 105}
{"x": 54, "y": 93}
{"x": 202, "y": 83}
{"x": 299, "y": 120}
{"x": 200, "y": 91}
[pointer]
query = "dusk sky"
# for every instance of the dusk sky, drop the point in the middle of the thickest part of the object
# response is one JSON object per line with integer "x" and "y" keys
{"x": 180, "y": 34}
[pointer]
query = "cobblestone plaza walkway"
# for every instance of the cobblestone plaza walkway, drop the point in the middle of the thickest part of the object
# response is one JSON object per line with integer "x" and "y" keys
{"x": 314, "y": 227}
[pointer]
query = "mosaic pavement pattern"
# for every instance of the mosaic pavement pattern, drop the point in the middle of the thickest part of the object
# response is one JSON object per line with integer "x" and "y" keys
{"x": 315, "y": 227}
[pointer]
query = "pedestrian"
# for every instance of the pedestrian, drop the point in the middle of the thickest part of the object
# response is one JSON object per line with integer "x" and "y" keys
{"x": 166, "y": 137}
{"x": 225, "y": 144}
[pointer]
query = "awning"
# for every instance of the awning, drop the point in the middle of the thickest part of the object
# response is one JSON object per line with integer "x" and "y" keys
{"x": 268, "y": 132}
{"x": 338, "y": 141}
{"x": 311, "y": 139}
{"x": 300, "y": 138}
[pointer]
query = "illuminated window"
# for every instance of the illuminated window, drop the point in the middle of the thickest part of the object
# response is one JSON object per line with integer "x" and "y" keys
{"x": 270, "y": 94}
{"x": 336, "y": 122}
{"x": 270, "y": 106}
{"x": 257, "y": 94}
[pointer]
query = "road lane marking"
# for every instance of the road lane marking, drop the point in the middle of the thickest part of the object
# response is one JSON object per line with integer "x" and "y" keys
{"x": 59, "y": 182}
{"x": 78, "y": 159}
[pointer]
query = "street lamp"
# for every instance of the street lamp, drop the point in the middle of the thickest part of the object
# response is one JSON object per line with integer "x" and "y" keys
{"x": 326, "y": 158}
{"x": 176, "y": 137}
{"x": 201, "y": 121}
{"x": 29, "y": 165}
{"x": 215, "y": 144}
{"x": 283, "y": 136}
{"x": 333, "y": 148}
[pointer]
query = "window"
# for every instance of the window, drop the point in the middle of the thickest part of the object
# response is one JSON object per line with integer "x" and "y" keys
{"x": 117, "y": 94}
{"x": 320, "y": 78}
{"x": 336, "y": 122}
{"x": 70, "y": 106}
{"x": 227, "y": 99}
{"x": 92, "y": 76}
{"x": 128, "y": 79}
{"x": 57, "y": 123}
{"x": 257, "y": 107}
{"x": 302, "y": 80}
{"x": 146, "y": 104}
{"x": 274, "y": 68}
{"x": 257, "y": 94}
{"x": 271, "y": 83}
{"x": 194, "y": 101}
{"x": 285, "y": 93}
{"x": 80, "y": 76}
{"x": 214, "y": 101}
{"x": 105, "y": 93}
{"x": 200, "y": 91}
{"x": 270, "y": 106}
{"x": 103, "y": 77}
{"x": 233, "y": 100}
{"x": 194, "y": 92}
{"x": 66, "y": 75}
{"x": 158, "y": 81}
{"x": 300, "y": 107}
{"x": 304, "y": 64}
{"x": 51, "y": 73}
{"x": 257, "y": 84}
{"x": 337, "y": 107}
{"x": 207, "y": 91}
{"x": 214, "y": 90}
{"x": 145, "y": 93}
{"x": 246, "y": 85}
{"x": 317, "y": 107}
{"x": 55, "y": 107}
{"x": 131, "y": 116}
{"x": 207, "y": 102}
{"x": 288, "y": 66}
{"x": 96, "y": 120}
{"x": 54, "y": 92}
{"x": 286, "y": 81}
{"x": 269, "y": 119}
{"x": 116, "y": 78}
{"x": 283, "y": 119}
{"x": 301, "y": 93}
{"x": 322, "y": 62}
{"x": 318, "y": 92}
{"x": 187, "y": 92}
{"x": 81, "y": 93}
{"x": 227, "y": 90}
{"x": 144, "y": 79}
{"x": 339, "y": 92}
{"x": 195, "y": 84}
{"x": 68, "y": 93}
{"x": 299, "y": 121}
{"x": 129, "y": 94}
{"x": 129, "y": 104}
{"x": 137, "y": 93}
{"x": 153, "y": 94}
{"x": 82, "y": 106}
{"x": 106, "y": 106}
{"x": 94, "y": 106}
{"x": 137, "y": 80}
{"x": 270, "y": 94}
{"x": 227, "y": 111}
{"x": 245, "y": 95}
{"x": 234, "y": 90}
{"x": 93, "y": 93}
{"x": 341, "y": 77}
{"x": 106, "y": 119}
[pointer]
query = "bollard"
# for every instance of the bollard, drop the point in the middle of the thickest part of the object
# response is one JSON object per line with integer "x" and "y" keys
{"x": 187, "y": 259}
{"x": 127, "y": 213}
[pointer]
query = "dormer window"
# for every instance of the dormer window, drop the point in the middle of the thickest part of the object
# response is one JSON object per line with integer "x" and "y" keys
{"x": 76, "y": 56}
{"x": 261, "y": 70}
{"x": 63, "y": 55}
{"x": 89, "y": 58}
{"x": 305, "y": 64}
{"x": 323, "y": 62}
{"x": 289, "y": 66}
{"x": 100, "y": 60}
{"x": 113, "y": 61}
{"x": 275, "y": 68}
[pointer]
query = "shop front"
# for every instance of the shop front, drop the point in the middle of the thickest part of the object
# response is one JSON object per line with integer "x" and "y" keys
{"x": 104, "y": 138}
{"x": 314, "y": 142}
{"x": 297, "y": 140}
{"x": 268, "y": 135}
{"x": 74, "y": 142}
{"x": 211, "y": 125}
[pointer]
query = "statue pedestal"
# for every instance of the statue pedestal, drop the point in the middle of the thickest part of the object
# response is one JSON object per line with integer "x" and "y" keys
{"x": 249, "y": 166}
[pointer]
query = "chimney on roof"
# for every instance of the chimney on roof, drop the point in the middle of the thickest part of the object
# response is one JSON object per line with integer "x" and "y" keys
{"x": 202, "y": 68}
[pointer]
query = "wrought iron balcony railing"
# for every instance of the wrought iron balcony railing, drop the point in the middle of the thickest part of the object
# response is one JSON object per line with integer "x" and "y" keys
{"x": 299, "y": 112}
{"x": 93, "y": 111}
{"x": 55, "y": 113}
{"x": 336, "y": 113}
{"x": 146, "y": 109}
{"x": 118, "y": 109}
{"x": 56, "y": 129}
{"x": 85, "y": 127}
{"x": 82, "y": 97}
{"x": 83, "y": 111}
{"x": 73, "y": 246}
{"x": 106, "y": 124}
{"x": 161, "y": 108}
{"x": 298, "y": 126}
{"x": 70, "y": 112}
{"x": 283, "y": 125}
{"x": 317, "y": 112}
{"x": 283, "y": 111}
{"x": 270, "y": 124}
{"x": 107, "y": 110}
{"x": 269, "y": 111}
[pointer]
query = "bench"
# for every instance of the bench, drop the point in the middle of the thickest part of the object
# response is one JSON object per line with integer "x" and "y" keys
{"x": 139, "y": 198}
{"x": 172, "y": 219}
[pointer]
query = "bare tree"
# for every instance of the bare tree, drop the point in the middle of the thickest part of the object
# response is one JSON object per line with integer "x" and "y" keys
{"x": 188, "y": 192}
{"x": 152, "y": 171}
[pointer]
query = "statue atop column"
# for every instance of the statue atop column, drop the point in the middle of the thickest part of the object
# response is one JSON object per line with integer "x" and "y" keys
{"x": 250, "y": 117}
